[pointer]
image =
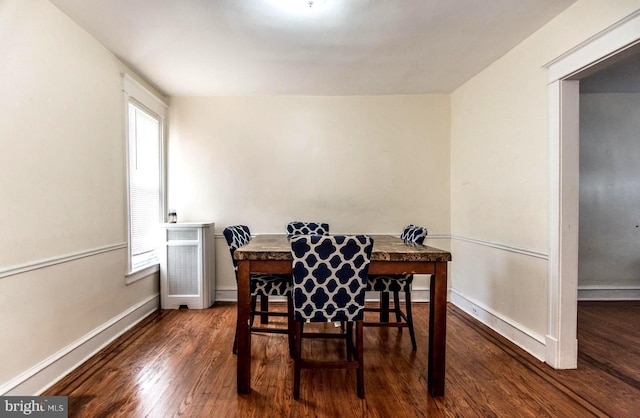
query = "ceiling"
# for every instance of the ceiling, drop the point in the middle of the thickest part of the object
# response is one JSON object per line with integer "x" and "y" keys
{"x": 335, "y": 47}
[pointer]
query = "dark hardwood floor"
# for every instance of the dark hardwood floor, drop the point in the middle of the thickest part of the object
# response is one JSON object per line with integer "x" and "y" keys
{"x": 179, "y": 363}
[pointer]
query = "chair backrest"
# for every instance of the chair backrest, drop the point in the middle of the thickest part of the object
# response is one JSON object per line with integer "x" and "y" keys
{"x": 236, "y": 236}
{"x": 330, "y": 277}
{"x": 414, "y": 234}
{"x": 307, "y": 228}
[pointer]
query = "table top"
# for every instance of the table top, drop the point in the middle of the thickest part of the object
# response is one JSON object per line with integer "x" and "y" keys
{"x": 385, "y": 248}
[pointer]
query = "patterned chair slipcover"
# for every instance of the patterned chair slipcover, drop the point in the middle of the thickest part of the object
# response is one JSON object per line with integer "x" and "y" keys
{"x": 411, "y": 234}
{"x": 307, "y": 228}
{"x": 263, "y": 285}
{"x": 260, "y": 284}
{"x": 329, "y": 281}
{"x": 330, "y": 277}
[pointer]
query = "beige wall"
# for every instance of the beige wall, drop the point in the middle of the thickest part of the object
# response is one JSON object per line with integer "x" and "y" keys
{"x": 499, "y": 171}
{"x": 473, "y": 164}
{"x": 62, "y": 187}
{"x": 363, "y": 164}
{"x": 61, "y": 98}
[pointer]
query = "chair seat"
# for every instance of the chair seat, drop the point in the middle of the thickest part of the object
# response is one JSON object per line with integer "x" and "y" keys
{"x": 270, "y": 285}
{"x": 387, "y": 283}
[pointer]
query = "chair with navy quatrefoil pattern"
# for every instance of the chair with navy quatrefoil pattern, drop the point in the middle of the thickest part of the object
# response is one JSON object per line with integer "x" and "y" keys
{"x": 387, "y": 284}
{"x": 263, "y": 285}
{"x": 329, "y": 283}
{"x": 307, "y": 228}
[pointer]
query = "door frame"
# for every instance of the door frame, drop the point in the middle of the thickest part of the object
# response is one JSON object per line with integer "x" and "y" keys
{"x": 564, "y": 137}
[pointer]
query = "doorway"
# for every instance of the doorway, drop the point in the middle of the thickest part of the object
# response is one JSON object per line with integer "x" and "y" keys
{"x": 609, "y": 226}
{"x": 565, "y": 72}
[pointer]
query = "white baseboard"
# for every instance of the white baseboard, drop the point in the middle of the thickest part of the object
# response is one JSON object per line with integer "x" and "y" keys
{"x": 556, "y": 358}
{"x": 226, "y": 294}
{"x": 524, "y": 338}
{"x": 44, "y": 374}
{"x": 608, "y": 293}
{"x": 420, "y": 294}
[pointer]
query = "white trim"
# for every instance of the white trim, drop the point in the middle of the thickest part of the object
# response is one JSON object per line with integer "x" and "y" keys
{"x": 227, "y": 294}
{"x": 608, "y": 293}
{"x": 530, "y": 341}
{"x": 142, "y": 273}
{"x": 418, "y": 294}
{"x": 44, "y": 374}
{"x": 562, "y": 344}
{"x": 48, "y": 262}
{"x": 155, "y": 103}
{"x": 617, "y": 37}
{"x": 564, "y": 175}
{"x": 135, "y": 92}
{"x": 504, "y": 247}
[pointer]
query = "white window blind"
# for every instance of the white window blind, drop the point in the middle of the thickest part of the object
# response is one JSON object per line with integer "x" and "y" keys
{"x": 145, "y": 195}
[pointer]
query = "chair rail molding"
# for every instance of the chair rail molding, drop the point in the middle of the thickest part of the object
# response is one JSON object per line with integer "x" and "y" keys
{"x": 39, "y": 264}
{"x": 503, "y": 247}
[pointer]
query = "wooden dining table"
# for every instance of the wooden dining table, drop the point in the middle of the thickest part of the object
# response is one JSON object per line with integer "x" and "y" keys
{"x": 390, "y": 255}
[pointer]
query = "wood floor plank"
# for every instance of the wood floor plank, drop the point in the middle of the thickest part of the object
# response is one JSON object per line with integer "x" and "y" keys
{"x": 179, "y": 363}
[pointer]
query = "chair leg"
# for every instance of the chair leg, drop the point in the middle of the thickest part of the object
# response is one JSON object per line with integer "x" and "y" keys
{"x": 384, "y": 306}
{"x": 407, "y": 299}
{"x": 297, "y": 359}
{"x": 290, "y": 326}
{"x": 264, "y": 307}
{"x": 235, "y": 342}
{"x": 254, "y": 300}
{"x": 360, "y": 351}
{"x": 353, "y": 350}
{"x": 396, "y": 305}
{"x": 349, "y": 340}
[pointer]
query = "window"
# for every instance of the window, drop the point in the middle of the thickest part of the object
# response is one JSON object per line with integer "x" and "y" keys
{"x": 145, "y": 177}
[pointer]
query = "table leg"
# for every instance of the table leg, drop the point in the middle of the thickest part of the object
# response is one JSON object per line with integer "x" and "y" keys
{"x": 244, "y": 332}
{"x": 437, "y": 330}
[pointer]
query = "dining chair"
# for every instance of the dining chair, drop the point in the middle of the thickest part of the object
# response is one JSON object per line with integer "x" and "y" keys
{"x": 329, "y": 282}
{"x": 263, "y": 285}
{"x": 307, "y": 228}
{"x": 387, "y": 284}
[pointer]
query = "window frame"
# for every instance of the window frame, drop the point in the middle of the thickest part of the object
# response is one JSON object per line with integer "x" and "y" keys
{"x": 141, "y": 97}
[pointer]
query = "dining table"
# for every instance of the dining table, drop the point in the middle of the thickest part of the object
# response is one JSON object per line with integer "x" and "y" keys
{"x": 390, "y": 256}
